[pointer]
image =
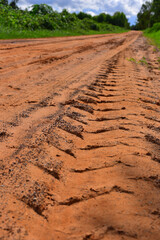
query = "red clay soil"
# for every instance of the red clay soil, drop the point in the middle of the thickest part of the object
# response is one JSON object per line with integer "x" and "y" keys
{"x": 79, "y": 138}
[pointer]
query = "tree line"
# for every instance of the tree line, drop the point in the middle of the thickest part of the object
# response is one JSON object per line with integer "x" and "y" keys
{"x": 149, "y": 15}
{"x": 42, "y": 16}
{"x": 13, "y": 3}
{"x": 118, "y": 19}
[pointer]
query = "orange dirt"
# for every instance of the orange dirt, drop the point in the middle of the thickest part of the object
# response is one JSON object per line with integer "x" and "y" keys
{"x": 79, "y": 138}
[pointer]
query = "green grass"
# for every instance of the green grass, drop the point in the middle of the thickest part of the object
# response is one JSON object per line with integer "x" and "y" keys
{"x": 155, "y": 38}
{"x": 132, "y": 60}
{"x": 153, "y": 34}
{"x": 142, "y": 61}
{"x": 8, "y": 33}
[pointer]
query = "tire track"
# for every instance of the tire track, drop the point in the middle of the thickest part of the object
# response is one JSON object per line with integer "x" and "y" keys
{"x": 90, "y": 169}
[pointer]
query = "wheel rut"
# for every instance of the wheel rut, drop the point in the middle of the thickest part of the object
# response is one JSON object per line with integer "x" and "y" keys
{"x": 88, "y": 168}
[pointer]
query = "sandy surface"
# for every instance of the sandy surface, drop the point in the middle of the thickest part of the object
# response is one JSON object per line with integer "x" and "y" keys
{"x": 79, "y": 138}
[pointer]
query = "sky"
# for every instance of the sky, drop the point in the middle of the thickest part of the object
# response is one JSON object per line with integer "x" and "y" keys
{"x": 93, "y": 7}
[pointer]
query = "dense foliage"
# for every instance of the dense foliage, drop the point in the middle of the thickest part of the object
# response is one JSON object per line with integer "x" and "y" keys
{"x": 154, "y": 33}
{"x": 148, "y": 15}
{"x": 42, "y": 16}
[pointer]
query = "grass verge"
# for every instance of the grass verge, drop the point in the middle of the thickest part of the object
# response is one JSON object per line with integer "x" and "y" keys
{"x": 7, "y": 33}
{"x": 153, "y": 34}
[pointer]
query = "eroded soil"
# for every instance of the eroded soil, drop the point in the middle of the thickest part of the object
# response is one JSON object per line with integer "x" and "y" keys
{"x": 79, "y": 138}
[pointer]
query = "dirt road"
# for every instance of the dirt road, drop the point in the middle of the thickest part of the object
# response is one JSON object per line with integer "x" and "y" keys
{"x": 79, "y": 138}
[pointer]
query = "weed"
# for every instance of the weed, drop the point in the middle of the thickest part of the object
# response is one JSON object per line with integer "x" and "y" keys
{"x": 143, "y": 61}
{"x": 132, "y": 60}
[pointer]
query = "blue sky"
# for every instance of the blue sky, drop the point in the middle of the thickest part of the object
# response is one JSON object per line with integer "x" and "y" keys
{"x": 94, "y": 7}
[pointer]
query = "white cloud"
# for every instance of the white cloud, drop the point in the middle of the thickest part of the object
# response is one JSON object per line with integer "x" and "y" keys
{"x": 91, "y": 13}
{"x": 23, "y": 4}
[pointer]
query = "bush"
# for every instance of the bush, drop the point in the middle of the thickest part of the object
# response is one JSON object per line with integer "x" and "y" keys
{"x": 154, "y": 34}
{"x": 156, "y": 27}
{"x": 42, "y": 17}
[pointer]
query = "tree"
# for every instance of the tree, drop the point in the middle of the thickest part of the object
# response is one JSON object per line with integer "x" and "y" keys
{"x": 108, "y": 18}
{"x": 65, "y": 12}
{"x": 13, "y": 4}
{"x": 4, "y": 2}
{"x": 101, "y": 17}
{"x": 155, "y": 11}
{"x": 144, "y": 16}
{"x": 82, "y": 15}
{"x": 42, "y": 9}
{"x": 119, "y": 19}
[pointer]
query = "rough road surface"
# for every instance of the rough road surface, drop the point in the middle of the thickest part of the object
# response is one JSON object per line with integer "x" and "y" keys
{"x": 79, "y": 138}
